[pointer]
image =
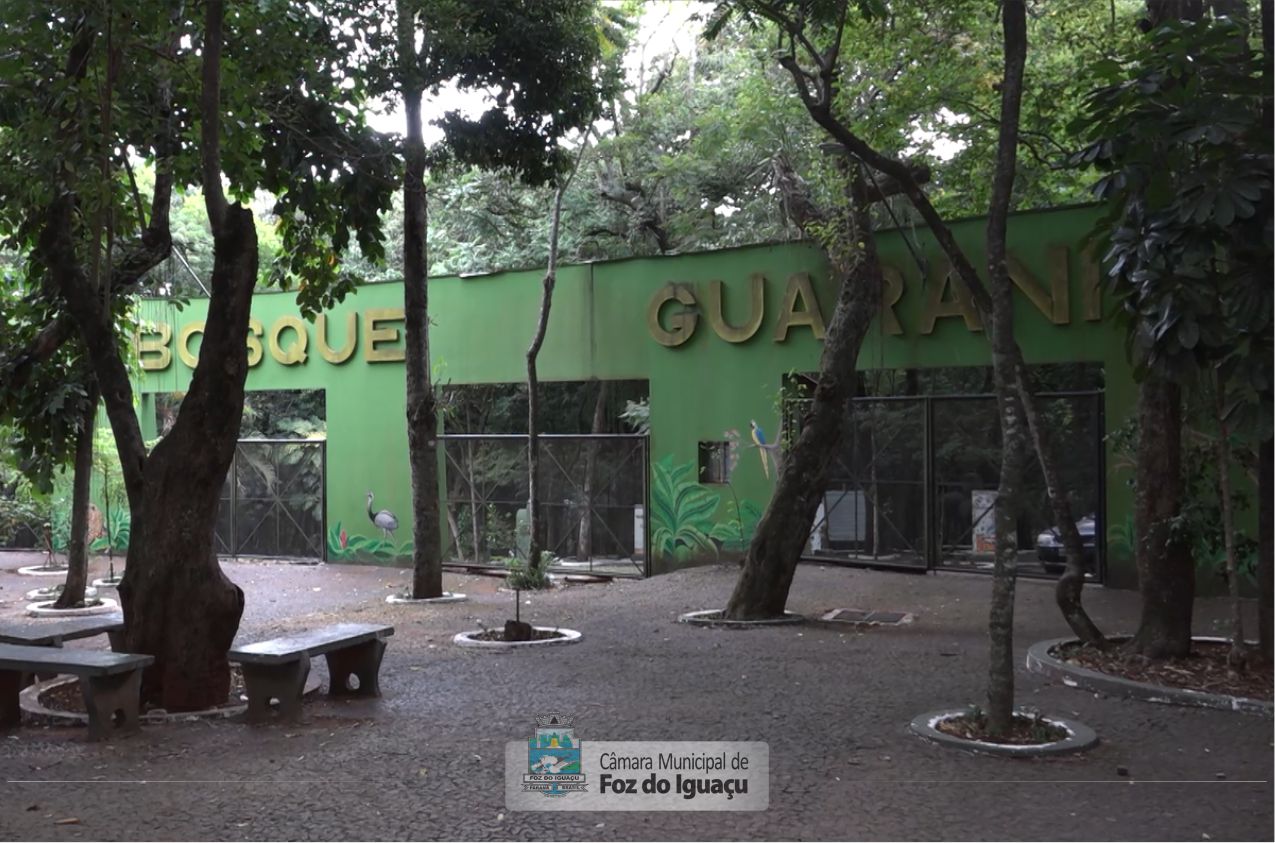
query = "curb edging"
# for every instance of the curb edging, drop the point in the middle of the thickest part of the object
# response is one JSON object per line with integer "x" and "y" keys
{"x": 1042, "y": 662}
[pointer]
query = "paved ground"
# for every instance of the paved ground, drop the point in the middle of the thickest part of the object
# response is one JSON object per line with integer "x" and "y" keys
{"x": 426, "y": 761}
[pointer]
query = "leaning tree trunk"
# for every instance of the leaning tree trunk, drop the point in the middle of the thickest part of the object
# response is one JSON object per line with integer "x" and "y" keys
{"x": 1166, "y": 570}
{"x": 584, "y": 543}
{"x": 1000, "y": 625}
{"x": 1067, "y": 593}
{"x": 762, "y": 588}
{"x": 78, "y": 548}
{"x": 906, "y": 181}
{"x": 422, "y": 411}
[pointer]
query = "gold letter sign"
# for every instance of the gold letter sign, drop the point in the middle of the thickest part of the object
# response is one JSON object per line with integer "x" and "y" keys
{"x": 376, "y": 335}
{"x": 683, "y": 322}
{"x": 799, "y": 288}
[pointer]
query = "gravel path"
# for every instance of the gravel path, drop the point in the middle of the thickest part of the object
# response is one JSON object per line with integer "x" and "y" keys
{"x": 426, "y": 760}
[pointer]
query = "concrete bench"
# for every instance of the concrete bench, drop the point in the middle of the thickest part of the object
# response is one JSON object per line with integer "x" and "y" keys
{"x": 277, "y": 669}
{"x": 55, "y": 633}
{"x": 111, "y": 683}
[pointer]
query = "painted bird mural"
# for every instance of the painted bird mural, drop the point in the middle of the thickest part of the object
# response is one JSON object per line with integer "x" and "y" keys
{"x": 769, "y": 452}
{"x": 384, "y": 520}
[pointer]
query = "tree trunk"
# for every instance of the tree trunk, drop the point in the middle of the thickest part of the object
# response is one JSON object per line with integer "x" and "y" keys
{"x": 178, "y": 604}
{"x": 584, "y": 544}
{"x": 1166, "y": 570}
{"x": 1000, "y": 625}
{"x": 762, "y": 588}
{"x": 422, "y": 412}
{"x": 77, "y": 555}
{"x": 1265, "y": 563}
{"x": 1068, "y": 591}
{"x": 535, "y": 529}
{"x": 1238, "y": 656}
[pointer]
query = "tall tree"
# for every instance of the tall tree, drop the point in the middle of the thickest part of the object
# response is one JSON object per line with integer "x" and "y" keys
{"x": 537, "y": 57}
{"x": 1181, "y": 132}
{"x": 164, "y": 72}
{"x": 811, "y": 42}
{"x": 1000, "y": 679}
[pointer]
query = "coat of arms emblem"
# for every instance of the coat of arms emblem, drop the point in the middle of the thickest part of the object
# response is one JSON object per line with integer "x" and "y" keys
{"x": 553, "y": 758}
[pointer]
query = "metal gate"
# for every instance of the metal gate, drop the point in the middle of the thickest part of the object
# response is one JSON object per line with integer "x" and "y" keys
{"x": 272, "y": 503}
{"x": 914, "y": 483}
{"x": 593, "y": 498}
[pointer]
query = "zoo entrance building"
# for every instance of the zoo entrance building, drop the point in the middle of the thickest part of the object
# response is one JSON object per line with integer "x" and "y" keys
{"x": 719, "y": 346}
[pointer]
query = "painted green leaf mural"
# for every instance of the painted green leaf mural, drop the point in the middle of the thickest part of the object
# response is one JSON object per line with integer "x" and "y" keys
{"x": 681, "y": 512}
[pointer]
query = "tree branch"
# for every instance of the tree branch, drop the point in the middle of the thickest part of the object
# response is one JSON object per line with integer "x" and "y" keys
{"x": 210, "y": 116}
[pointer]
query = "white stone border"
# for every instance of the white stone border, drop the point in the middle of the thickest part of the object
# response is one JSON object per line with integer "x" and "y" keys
{"x": 712, "y": 617}
{"x": 447, "y": 597}
{"x": 29, "y": 701}
{"x": 52, "y": 593}
{"x": 44, "y": 609}
{"x": 1078, "y": 739}
{"x": 566, "y": 636}
{"x": 105, "y": 583}
{"x": 44, "y": 571}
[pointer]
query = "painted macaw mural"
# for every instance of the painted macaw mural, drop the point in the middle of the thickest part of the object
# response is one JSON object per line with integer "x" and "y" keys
{"x": 768, "y": 451}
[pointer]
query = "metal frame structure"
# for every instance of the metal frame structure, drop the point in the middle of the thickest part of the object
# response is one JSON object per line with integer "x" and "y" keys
{"x": 931, "y": 556}
{"x": 638, "y": 456}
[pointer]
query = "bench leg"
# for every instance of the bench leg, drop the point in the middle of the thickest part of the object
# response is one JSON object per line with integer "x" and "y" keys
{"x": 361, "y": 660}
{"x": 106, "y": 697}
{"x": 11, "y": 682}
{"x": 284, "y": 682}
{"x": 116, "y": 637}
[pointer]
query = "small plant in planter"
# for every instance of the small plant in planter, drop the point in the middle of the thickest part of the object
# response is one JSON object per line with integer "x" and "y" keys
{"x": 523, "y": 577}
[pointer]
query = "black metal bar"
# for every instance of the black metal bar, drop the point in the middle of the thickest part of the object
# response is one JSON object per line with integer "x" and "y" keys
{"x": 927, "y": 489}
{"x": 1100, "y": 529}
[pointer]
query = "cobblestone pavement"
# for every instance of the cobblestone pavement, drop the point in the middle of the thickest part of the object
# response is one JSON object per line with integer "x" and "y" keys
{"x": 426, "y": 760}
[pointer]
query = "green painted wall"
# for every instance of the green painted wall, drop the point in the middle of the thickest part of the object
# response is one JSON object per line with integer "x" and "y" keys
{"x": 699, "y": 390}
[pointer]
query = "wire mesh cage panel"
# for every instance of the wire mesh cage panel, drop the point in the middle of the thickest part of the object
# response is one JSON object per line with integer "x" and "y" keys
{"x": 915, "y": 477}
{"x": 272, "y": 504}
{"x": 873, "y": 508}
{"x": 592, "y": 492}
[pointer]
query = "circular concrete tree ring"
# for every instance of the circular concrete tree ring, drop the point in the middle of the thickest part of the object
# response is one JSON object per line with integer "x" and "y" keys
{"x": 447, "y": 597}
{"x": 105, "y": 583}
{"x": 713, "y": 617}
{"x": 565, "y": 636}
{"x": 29, "y": 700}
{"x": 44, "y": 609}
{"x": 44, "y": 571}
{"x": 1079, "y": 737}
{"x": 54, "y": 593}
{"x": 1040, "y": 659}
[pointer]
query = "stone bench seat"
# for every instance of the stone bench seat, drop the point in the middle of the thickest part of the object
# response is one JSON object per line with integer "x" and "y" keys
{"x": 277, "y": 669}
{"x": 55, "y": 633}
{"x": 111, "y": 683}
